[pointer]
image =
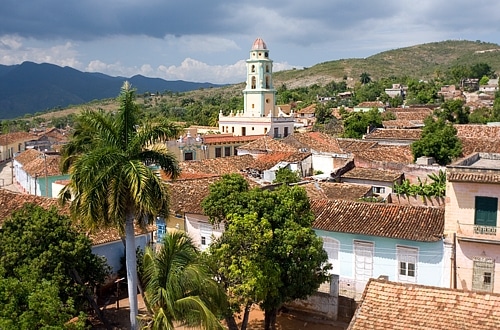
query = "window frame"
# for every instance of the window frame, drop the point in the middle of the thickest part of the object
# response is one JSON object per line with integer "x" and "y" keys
{"x": 406, "y": 256}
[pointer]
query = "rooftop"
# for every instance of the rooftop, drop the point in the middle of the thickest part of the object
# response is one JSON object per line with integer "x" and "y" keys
{"x": 391, "y": 305}
{"x": 478, "y": 167}
{"x": 316, "y": 141}
{"x": 416, "y": 223}
{"x": 387, "y": 153}
{"x": 333, "y": 190}
{"x": 372, "y": 174}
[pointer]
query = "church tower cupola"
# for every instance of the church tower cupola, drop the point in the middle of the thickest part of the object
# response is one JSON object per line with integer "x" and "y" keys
{"x": 259, "y": 93}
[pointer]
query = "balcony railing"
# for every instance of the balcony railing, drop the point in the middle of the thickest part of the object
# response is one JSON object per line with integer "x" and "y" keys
{"x": 485, "y": 230}
{"x": 478, "y": 231}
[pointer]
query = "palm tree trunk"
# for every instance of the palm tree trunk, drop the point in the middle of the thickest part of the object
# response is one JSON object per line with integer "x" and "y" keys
{"x": 131, "y": 265}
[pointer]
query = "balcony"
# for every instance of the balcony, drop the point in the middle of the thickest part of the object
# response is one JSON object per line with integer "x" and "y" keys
{"x": 477, "y": 232}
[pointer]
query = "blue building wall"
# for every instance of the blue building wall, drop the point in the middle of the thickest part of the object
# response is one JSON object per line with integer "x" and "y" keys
{"x": 114, "y": 251}
{"x": 430, "y": 263}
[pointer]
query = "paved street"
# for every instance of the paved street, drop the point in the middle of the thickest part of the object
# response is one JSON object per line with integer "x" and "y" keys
{"x": 6, "y": 181}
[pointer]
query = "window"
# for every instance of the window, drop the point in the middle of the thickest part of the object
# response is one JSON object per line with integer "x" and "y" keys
{"x": 253, "y": 68}
{"x": 285, "y": 133}
{"x": 203, "y": 240}
{"x": 254, "y": 83}
{"x": 227, "y": 151}
{"x": 243, "y": 131}
{"x": 378, "y": 190}
{"x": 235, "y": 150}
{"x": 232, "y": 129}
{"x": 483, "y": 274}
{"x": 485, "y": 217}
{"x": 267, "y": 83}
{"x": 188, "y": 155}
{"x": 218, "y": 152}
{"x": 206, "y": 232}
{"x": 407, "y": 264}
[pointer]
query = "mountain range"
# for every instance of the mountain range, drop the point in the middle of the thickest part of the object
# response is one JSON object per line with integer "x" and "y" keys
{"x": 29, "y": 87}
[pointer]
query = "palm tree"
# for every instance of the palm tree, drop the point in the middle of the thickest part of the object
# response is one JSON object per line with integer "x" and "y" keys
{"x": 365, "y": 78}
{"x": 111, "y": 183}
{"x": 179, "y": 285}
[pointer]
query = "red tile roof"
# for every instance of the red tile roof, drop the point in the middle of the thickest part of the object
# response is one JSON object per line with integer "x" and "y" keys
{"x": 27, "y": 156}
{"x": 486, "y": 132}
{"x": 316, "y": 141}
{"x": 355, "y": 145}
{"x": 11, "y": 202}
{"x": 44, "y": 165}
{"x": 333, "y": 190}
{"x": 391, "y": 305}
{"x": 387, "y": 153}
{"x": 228, "y": 138}
{"x": 374, "y": 104}
{"x": 414, "y": 223}
{"x": 372, "y": 174}
{"x": 308, "y": 110}
{"x": 13, "y": 137}
{"x": 268, "y": 160}
{"x": 394, "y": 134}
{"x": 472, "y": 145}
{"x": 482, "y": 177}
{"x": 218, "y": 166}
{"x": 267, "y": 143}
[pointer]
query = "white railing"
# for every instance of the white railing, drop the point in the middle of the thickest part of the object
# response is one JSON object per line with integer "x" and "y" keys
{"x": 478, "y": 231}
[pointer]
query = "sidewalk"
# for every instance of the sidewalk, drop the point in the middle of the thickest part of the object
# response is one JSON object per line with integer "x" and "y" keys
{"x": 6, "y": 177}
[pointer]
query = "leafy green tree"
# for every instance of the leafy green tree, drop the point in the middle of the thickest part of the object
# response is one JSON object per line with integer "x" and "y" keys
{"x": 422, "y": 92}
{"x": 323, "y": 113}
{"x": 286, "y": 175}
{"x": 356, "y": 124}
{"x": 481, "y": 115}
{"x": 453, "y": 111}
{"x": 269, "y": 253}
{"x": 111, "y": 182}
{"x": 39, "y": 254}
{"x": 439, "y": 140}
{"x": 179, "y": 286}
{"x": 480, "y": 70}
{"x": 484, "y": 80}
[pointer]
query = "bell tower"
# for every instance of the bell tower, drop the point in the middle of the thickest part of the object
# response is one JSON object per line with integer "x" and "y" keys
{"x": 259, "y": 93}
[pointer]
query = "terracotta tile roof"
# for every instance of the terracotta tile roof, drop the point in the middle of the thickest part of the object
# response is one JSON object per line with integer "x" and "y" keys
{"x": 316, "y": 141}
{"x": 372, "y": 174}
{"x": 11, "y": 201}
{"x": 392, "y": 154}
{"x": 16, "y": 137}
{"x": 401, "y": 124}
{"x": 218, "y": 166}
{"x": 391, "y": 305}
{"x": 308, "y": 110}
{"x": 228, "y": 138}
{"x": 267, "y": 143}
{"x": 485, "y": 132}
{"x": 355, "y": 145}
{"x": 471, "y": 145}
{"x": 333, "y": 190}
{"x": 417, "y": 114}
{"x": 394, "y": 134}
{"x": 482, "y": 177}
{"x": 27, "y": 156}
{"x": 37, "y": 166}
{"x": 268, "y": 160}
{"x": 187, "y": 195}
{"x": 374, "y": 104}
{"x": 55, "y": 134}
{"x": 416, "y": 223}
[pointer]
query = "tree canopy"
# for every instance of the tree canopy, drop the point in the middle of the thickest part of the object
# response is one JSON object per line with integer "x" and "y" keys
{"x": 439, "y": 140}
{"x": 269, "y": 253}
{"x": 40, "y": 250}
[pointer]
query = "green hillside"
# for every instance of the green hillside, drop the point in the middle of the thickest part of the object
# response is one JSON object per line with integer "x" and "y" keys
{"x": 423, "y": 61}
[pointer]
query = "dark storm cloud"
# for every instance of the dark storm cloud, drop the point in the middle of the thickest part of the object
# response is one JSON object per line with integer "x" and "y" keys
{"x": 84, "y": 20}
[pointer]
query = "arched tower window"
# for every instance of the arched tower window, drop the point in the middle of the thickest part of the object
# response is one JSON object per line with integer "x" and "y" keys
{"x": 267, "y": 82}
{"x": 254, "y": 82}
{"x": 253, "y": 68}
{"x": 267, "y": 68}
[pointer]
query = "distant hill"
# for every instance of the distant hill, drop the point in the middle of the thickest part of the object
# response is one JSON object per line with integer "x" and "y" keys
{"x": 424, "y": 61}
{"x": 28, "y": 88}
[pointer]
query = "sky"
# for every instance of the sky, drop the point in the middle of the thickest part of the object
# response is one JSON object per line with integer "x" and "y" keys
{"x": 209, "y": 41}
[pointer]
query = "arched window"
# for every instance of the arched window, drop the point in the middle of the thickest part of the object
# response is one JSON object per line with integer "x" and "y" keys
{"x": 253, "y": 68}
{"x": 267, "y": 82}
{"x": 254, "y": 83}
{"x": 267, "y": 68}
